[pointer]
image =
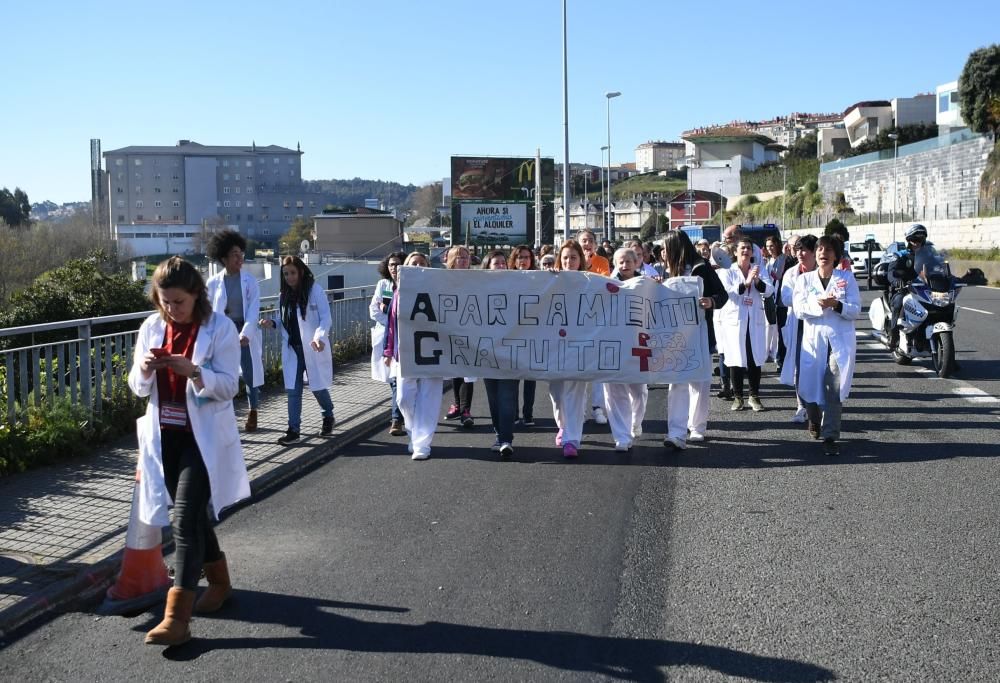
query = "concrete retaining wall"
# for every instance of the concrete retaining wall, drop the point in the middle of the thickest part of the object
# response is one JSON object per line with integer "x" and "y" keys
{"x": 935, "y": 184}
{"x": 965, "y": 233}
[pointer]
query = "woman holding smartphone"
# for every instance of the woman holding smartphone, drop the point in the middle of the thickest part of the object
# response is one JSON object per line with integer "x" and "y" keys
{"x": 187, "y": 362}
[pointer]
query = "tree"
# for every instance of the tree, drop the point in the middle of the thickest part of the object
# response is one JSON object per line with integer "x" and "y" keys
{"x": 82, "y": 288}
{"x": 300, "y": 229}
{"x": 15, "y": 209}
{"x": 835, "y": 226}
{"x": 979, "y": 90}
{"x": 648, "y": 229}
{"x": 803, "y": 148}
{"x": 425, "y": 202}
{"x": 840, "y": 204}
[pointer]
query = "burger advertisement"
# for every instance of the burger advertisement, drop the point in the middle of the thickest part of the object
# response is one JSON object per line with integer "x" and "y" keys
{"x": 493, "y": 199}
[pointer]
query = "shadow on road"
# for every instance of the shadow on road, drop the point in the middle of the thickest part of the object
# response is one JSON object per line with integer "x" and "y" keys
{"x": 623, "y": 658}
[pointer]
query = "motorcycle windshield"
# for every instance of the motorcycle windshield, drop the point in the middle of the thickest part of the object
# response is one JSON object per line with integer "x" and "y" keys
{"x": 932, "y": 268}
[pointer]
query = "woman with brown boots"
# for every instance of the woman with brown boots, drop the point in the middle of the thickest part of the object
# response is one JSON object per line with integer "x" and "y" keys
{"x": 187, "y": 361}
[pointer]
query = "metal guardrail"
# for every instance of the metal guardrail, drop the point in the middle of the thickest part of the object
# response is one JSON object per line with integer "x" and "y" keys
{"x": 88, "y": 369}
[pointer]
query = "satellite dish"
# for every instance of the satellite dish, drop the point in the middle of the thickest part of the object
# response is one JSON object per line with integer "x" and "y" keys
{"x": 304, "y": 247}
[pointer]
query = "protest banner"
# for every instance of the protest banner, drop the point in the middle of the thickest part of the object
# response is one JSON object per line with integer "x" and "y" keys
{"x": 550, "y": 326}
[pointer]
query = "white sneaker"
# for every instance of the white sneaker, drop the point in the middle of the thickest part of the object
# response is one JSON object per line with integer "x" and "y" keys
{"x": 799, "y": 416}
{"x": 623, "y": 446}
{"x": 496, "y": 446}
{"x": 696, "y": 437}
{"x": 679, "y": 444}
{"x": 409, "y": 447}
{"x": 599, "y": 416}
{"x": 420, "y": 456}
{"x": 637, "y": 431}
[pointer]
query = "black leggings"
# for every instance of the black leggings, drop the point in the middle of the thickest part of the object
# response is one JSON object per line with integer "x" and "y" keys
{"x": 752, "y": 370}
{"x": 463, "y": 393}
{"x": 184, "y": 471}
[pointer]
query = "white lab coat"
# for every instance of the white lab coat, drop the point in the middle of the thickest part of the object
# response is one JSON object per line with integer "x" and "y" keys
{"x": 790, "y": 331}
{"x": 251, "y": 315}
{"x": 383, "y": 290}
{"x": 315, "y": 327}
{"x": 824, "y": 331}
{"x": 210, "y": 410}
{"x": 741, "y": 312}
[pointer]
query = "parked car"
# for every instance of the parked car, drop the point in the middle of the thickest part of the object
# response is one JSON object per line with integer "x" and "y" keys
{"x": 858, "y": 253}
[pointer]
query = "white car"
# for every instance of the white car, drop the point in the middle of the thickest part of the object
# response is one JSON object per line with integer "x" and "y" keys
{"x": 858, "y": 253}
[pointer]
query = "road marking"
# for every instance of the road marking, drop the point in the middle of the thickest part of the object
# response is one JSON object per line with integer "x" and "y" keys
{"x": 975, "y": 310}
{"x": 974, "y": 394}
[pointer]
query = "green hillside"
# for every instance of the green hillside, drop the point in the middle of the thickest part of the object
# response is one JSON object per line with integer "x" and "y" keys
{"x": 648, "y": 183}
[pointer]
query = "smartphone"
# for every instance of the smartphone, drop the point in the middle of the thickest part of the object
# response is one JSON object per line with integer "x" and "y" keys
{"x": 159, "y": 353}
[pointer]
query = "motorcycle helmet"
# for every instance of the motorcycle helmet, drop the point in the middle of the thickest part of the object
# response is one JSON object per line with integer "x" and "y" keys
{"x": 916, "y": 233}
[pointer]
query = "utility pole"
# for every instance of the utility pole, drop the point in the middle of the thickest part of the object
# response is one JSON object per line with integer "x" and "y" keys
{"x": 538, "y": 197}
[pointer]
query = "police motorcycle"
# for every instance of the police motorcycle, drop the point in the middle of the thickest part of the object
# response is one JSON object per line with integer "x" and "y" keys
{"x": 926, "y": 323}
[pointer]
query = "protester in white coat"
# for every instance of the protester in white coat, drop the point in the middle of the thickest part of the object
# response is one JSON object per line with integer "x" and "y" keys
{"x": 378, "y": 311}
{"x": 805, "y": 251}
{"x": 828, "y": 301}
{"x": 743, "y": 323}
{"x": 419, "y": 398}
{"x": 234, "y": 293}
{"x": 625, "y": 403}
{"x": 569, "y": 397}
{"x": 187, "y": 362}
{"x": 305, "y": 329}
{"x": 687, "y": 402}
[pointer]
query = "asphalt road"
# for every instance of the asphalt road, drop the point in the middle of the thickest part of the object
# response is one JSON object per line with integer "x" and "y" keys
{"x": 751, "y": 557}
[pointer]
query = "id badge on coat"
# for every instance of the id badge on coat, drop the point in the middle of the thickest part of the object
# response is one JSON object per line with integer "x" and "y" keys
{"x": 748, "y": 301}
{"x": 173, "y": 414}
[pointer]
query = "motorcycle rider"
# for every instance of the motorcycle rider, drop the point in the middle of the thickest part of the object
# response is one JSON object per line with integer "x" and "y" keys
{"x": 904, "y": 268}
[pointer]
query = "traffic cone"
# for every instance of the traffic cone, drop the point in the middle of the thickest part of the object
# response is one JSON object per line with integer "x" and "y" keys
{"x": 143, "y": 579}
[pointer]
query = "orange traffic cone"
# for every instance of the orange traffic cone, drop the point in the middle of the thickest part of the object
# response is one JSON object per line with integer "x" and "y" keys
{"x": 143, "y": 579}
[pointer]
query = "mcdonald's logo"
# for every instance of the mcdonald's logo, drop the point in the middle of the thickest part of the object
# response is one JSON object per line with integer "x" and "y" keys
{"x": 526, "y": 171}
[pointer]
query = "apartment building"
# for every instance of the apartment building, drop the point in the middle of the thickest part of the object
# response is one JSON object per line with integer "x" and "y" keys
{"x": 656, "y": 155}
{"x": 157, "y": 190}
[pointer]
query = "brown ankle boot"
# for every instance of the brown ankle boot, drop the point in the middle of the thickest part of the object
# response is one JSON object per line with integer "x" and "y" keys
{"x": 175, "y": 627}
{"x": 219, "y": 587}
{"x": 251, "y": 425}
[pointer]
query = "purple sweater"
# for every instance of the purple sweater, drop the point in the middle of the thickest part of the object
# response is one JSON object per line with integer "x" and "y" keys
{"x": 391, "y": 350}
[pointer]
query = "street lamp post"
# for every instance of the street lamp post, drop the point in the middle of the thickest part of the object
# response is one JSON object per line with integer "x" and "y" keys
{"x": 603, "y": 204}
{"x": 784, "y": 191}
{"x": 565, "y": 130}
{"x": 895, "y": 150}
{"x": 722, "y": 198}
{"x": 609, "y": 96}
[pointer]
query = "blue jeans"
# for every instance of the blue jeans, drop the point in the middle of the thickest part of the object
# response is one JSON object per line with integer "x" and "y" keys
{"x": 295, "y": 395}
{"x": 396, "y": 415}
{"x": 502, "y": 397}
{"x": 528, "y": 407}
{"x": 246, "y": 367}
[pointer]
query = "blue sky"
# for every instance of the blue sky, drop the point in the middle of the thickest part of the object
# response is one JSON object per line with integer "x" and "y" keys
{"x": 390, "y": 89}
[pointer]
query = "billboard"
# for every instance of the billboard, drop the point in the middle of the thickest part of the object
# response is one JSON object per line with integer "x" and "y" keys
{"x": 493, "y": 199}
{"x": 493, "y": 223}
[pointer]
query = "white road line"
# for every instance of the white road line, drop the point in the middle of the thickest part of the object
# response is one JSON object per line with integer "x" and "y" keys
{"x": 974, "y": 394}
{"x": 975, "y": 310}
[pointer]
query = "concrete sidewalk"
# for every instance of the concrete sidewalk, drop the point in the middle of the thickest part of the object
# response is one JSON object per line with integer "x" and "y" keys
{"x": 62, "y": 528}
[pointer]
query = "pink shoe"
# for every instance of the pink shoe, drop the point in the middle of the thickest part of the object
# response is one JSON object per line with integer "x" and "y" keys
{"x": 559, "y": 438}
{"x": 569, "y": 451}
